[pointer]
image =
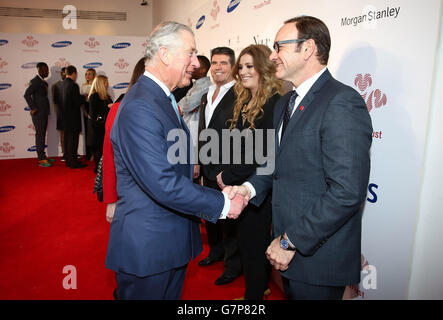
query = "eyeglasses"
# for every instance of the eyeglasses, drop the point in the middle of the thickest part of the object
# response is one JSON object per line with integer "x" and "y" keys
{"x": 277, "y": 44}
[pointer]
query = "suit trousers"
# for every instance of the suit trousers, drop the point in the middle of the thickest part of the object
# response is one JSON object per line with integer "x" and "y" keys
{"x": 40, "y": 122}
{"x": 254, "y": 237}
{"x": 296, "y": 290}
{"x": 71, "y": 146}
{"x": 162, "y": 286}
{"x": 222, "y": 240}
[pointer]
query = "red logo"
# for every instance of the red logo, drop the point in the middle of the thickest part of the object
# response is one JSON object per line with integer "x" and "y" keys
{"x": 6, "y": 147}
{"x": 376, "y": 98}
{"x": 91, "y": 43}
{"x": 30, "y": 41}
{"x": 189, "y": 23}
{"x": 4, "y": 106}
{"x": 121, "y": 63}
{"x": 62, "y": 62}
{"x": 215, "y": 10}
{"x": 31, "y": 126}
{"x": 2, "y": 63}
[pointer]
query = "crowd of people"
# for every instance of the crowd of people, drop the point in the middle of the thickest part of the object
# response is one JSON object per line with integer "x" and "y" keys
{"x": 303, "y": 219}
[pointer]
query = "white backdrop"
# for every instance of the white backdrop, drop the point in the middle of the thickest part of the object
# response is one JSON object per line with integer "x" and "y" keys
{"x": 114, "y": 57}
{"x": 375, "y": 49}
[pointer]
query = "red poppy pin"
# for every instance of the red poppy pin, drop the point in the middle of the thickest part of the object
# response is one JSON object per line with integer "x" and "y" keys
{"x": 301, "y": 108}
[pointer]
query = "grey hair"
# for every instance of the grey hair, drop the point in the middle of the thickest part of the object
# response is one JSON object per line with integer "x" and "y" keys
{"x": 166, "y": 34}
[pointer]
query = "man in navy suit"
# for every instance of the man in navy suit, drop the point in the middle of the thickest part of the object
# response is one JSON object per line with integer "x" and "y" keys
{"x": 155, "y": 229}
{"x": 323, "y": 138}
{"x": 36, "y": 95}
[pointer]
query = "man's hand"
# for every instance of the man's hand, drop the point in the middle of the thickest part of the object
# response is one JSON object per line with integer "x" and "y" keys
{"x": 220, "y": 181}
{"x": 278, "y": 257}
{"x": 238, "y": 203}
{"x": 110, "y": 209}
{"x": 240, "y": 190}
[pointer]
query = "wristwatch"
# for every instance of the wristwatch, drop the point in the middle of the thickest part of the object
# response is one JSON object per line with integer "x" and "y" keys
{"x": 284, "y": 244}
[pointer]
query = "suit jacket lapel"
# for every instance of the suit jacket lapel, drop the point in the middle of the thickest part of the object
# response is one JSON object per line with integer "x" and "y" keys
{"x": 305, "y": 104}
{"x": 225, "y": 101}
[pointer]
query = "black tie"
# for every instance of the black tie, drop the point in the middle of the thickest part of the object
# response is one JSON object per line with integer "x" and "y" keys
{"x": 288, "y": 111}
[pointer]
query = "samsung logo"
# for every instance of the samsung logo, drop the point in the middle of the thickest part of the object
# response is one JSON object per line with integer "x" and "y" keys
{"x": 121, "y": 45}
{"x": 233, "y": 5}
{"x": 121, "y": 85}
{"x": 27, "y": 109}
{"x": 6, "y": 128}
{"x": 200, "y": 22}
{"x": 61, "y": 44}
{"x": 92, "y": 65}
{"x": 3, "y": 42}
{"x": 29, "y": 65}
{"x": 34, "y": 148}
{"x": 4, "y": 86}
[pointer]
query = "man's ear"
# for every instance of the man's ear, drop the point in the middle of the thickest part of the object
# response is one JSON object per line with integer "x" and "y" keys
{"x": 164, "y": 55}
{"x": 309, "y": 48}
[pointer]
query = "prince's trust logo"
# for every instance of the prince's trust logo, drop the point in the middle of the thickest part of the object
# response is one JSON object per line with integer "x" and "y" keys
{"x": 375, "y": 98}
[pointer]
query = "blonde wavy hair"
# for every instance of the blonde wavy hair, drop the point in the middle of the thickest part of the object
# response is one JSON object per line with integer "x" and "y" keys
{"x": 267, "y": 87}
{"x": 98, "y": 85}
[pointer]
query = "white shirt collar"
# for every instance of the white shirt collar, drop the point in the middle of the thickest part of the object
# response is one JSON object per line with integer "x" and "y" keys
{"x": 303, "y": 89}
{"x": 157, "y": 81}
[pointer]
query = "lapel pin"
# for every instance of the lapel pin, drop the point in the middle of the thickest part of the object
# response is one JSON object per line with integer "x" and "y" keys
{"x": 301, "y": 108}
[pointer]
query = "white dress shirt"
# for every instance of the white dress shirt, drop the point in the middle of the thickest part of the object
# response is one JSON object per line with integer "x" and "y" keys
{"x": 210, "y": 107}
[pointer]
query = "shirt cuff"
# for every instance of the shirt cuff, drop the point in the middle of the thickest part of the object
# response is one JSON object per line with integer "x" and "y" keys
{"x": 226, "y": 208}
{"x": 251, "y": 189}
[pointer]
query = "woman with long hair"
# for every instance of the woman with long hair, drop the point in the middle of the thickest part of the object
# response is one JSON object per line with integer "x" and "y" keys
{"x": 257, "y": 91}
{"x": 85, "y": 88}
{"x": 99, "y": 101}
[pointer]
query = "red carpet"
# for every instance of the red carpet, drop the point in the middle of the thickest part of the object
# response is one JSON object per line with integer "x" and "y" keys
{"x": 50, "y": 219}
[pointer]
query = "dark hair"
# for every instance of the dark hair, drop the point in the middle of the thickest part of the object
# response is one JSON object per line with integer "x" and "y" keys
{"x": 226, "y": 51}
{"x": 313, "y": 28}
{"x": 204, "y": 62}
{"x": 139, "y": 68}
{"x": 41, "y": 65}
{"x": 63, "y": 69}
{"x": 70, "y": 70}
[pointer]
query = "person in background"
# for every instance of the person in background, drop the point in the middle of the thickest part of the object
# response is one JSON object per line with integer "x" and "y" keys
{"x": 99, "y": 103}
{"x": 189, "y": 105}
{"x": 257, "y": 90}
{"x": 57, "y": 96}
{"x": 215, "y": 111}
{"x": 72, "y": 103}
{"x": 110, "y": 196}
{"x": 85, "y": 89}
{"x": 36, "y": 95}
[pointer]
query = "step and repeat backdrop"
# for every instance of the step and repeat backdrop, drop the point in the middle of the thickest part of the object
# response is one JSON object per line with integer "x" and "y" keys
{"x": 114, "y": 57}
{"x": 385, "y": 50}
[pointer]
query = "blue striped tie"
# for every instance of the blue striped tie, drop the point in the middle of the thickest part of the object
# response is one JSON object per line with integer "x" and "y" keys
{"x": 174, "y": 104}
{"x": 288, "y": 111}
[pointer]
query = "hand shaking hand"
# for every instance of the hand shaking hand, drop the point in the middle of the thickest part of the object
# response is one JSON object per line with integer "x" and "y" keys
{"x": 239, "y": 200}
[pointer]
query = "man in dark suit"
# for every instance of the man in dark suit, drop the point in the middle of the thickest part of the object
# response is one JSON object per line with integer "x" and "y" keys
{"x": 323, "y": 138}
{"x": 57, "y": 96}
{"x": 216, "y": 109}
{"x": 36, "y": 95}
{"x": 72, "y": 102}
{"x": 155, "y": 229}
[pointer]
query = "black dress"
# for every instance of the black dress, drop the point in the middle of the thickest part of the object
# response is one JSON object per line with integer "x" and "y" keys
{"x": 98, "y": 111}
{"x": 254, "y": 224}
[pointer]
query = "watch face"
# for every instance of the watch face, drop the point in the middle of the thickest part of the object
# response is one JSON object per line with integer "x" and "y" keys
{"x": 284, "y": 244}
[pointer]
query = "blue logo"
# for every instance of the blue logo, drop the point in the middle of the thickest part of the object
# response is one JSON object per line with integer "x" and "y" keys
{"x": 6, "y": 128}
{"x": 4, "y": 86}
{"x": 61, "y": 44}
{"x": 371, "y": 188}
{"x": 200, "y": 22}
{"x": 27, "y": 109}
{"x": 233, "y": 5}
{"x": 121, "y": 85}
{"x": 121, "y": 45}
{"x": 29, "y": 65}
{"x": 34, "y": 148}
{"x": 3, "y": 42}
{"x": 92, "y": 65}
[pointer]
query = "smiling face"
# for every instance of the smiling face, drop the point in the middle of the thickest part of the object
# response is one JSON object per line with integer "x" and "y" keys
{"x": 184, "y": 61}
{"x": 289, "y": 60}
{"x": 247, "y": 74}
{"x": 221, "y": 69}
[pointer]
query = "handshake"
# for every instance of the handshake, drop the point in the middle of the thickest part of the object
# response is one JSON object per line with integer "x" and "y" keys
{"x": 239, "y": 196}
